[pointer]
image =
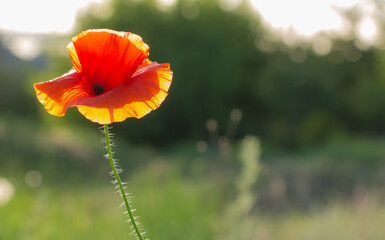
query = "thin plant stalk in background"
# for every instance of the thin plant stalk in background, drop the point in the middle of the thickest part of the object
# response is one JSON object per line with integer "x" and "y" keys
{"x": 112, "y": 79}
{"x": 238, "y": 214}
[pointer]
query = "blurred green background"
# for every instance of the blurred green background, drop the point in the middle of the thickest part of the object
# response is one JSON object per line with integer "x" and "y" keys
{"x": 261, "y": 137}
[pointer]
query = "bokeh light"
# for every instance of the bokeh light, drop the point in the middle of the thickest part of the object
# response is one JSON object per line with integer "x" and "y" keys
{"x": 33, "y": 178}
{"x": 7, "y": 191}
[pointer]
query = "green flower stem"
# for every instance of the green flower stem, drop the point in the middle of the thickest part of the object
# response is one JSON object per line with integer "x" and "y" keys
{"x": 120, "y": 184}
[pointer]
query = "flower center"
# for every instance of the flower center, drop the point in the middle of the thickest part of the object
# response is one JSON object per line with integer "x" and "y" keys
{"x": 98, "y": 89}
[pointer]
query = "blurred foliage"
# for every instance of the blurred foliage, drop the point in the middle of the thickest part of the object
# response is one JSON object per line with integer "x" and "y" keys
{"x": 224, "y": 60}
{"x": 218, "y": 67}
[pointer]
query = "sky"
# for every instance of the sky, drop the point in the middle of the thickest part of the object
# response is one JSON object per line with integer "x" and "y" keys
{"x": 303, "y": 17}
{"x": 308, "y": 17}
{"x": 40, "y": 16}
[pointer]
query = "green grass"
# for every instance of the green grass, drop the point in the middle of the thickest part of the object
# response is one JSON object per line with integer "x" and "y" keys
{"x": 337, "y": 221}
{"x": 58, "y": 213}
{"x": 171, "y": 207}
{"x": 326, "y": 193}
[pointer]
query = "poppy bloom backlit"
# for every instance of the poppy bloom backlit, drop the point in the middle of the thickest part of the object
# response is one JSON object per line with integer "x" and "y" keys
{"x": 112, "y": 78}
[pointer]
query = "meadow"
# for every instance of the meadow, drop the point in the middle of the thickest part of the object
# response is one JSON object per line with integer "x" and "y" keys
{"x": 182, "y": 193}
{"x": 264, "y": 134}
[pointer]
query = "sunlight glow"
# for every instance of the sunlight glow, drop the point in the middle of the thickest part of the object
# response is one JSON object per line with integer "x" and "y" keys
{"x": 166, "y": 5}
{"x": 367, "y": 30}
{"x": 288, "y": 20}
{"x": 40, "y": 16}
{"x": 24, "y": 47}
{"x": 303, "y": 17}
{"x": 229, "y": 5}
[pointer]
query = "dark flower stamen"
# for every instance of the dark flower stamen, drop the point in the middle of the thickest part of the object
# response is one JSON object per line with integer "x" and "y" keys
{"x": 98, "y": 89}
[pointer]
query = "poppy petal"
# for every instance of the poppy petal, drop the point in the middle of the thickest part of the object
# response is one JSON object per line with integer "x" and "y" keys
{"x": 107, "y": 57}
{"x": 144, "y": 92}
{"x": 61, "y": 93}
{"x": 112, "y": 78}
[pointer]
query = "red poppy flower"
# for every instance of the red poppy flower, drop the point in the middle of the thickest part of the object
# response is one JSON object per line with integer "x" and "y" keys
{"x": 112, "y": 78}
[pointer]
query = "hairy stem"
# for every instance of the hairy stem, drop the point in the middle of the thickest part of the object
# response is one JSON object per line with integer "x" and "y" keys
{"x": 126, "y": 203}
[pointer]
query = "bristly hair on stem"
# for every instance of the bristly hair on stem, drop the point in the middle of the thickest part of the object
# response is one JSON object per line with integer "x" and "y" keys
{"x": 135, "y": 228}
